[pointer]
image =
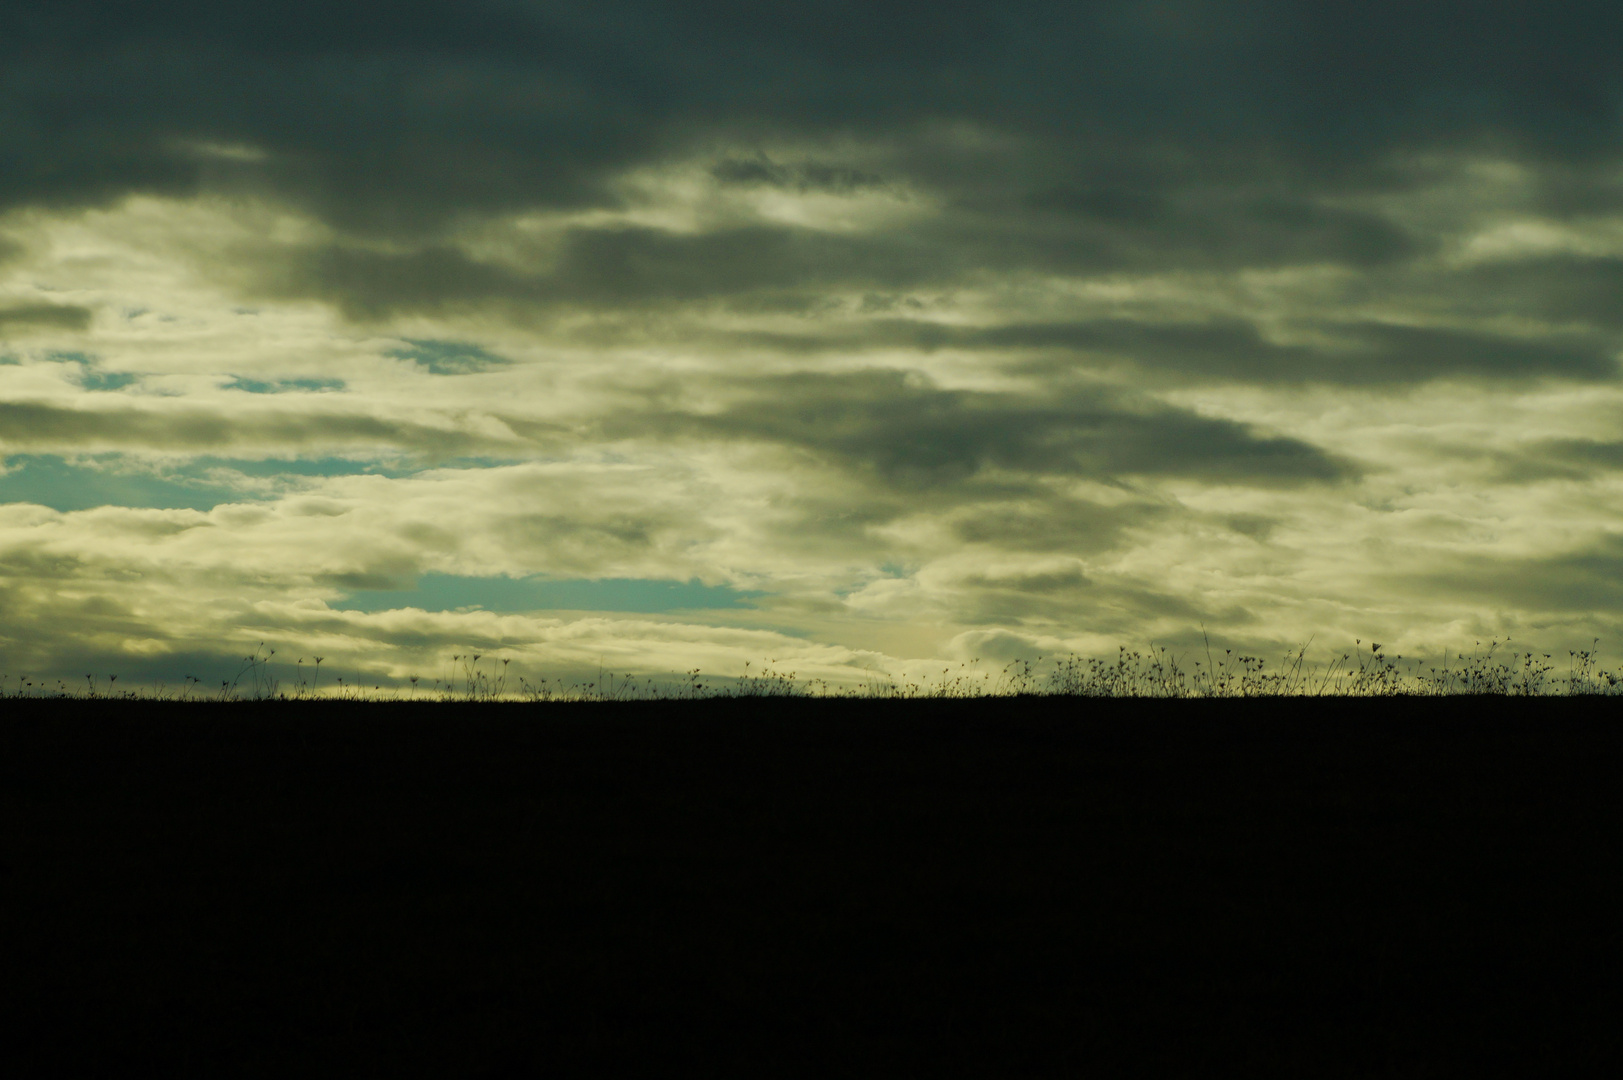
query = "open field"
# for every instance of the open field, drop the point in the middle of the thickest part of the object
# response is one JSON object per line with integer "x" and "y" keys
{"x": 802, "y": 887}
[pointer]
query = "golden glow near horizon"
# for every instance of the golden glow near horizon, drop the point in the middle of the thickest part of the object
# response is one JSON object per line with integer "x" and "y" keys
{"x": 852, "y": 386}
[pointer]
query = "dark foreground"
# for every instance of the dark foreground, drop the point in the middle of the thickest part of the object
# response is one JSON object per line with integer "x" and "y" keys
{"x": 812, "y": 888}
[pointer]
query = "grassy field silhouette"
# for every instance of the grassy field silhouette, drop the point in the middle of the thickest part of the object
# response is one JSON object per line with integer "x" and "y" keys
{"x": 1493, "y": 670}
{"x": 1132, "y": 867}
{"x": 800, "y": 886}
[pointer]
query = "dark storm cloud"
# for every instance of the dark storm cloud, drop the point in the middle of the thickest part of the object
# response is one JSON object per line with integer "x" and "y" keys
{"x": 1067, "y": 138}
{"x": 745, "y": 266}
{"x": 379, "y": 119}
{"x": 1109, "y": 223}
{"x": 43, "y": 316}
{"x": 1560, "y": 288}
{"x": 918, "y": 436}
{"x": 1443, "y": 352}
{"x": 897, "y": 428}
{"x": 599, "y": 268}
{"x": 399, "y": 118}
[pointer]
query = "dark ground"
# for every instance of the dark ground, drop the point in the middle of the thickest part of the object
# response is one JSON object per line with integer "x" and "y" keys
{"x": 788, "y": 888}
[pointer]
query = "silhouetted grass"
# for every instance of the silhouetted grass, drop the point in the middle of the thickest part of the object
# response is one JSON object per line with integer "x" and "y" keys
{"x": 1364, "y": 671}
{"x": 761, "y": 880}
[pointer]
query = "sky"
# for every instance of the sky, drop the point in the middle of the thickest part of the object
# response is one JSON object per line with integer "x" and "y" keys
{"x": 859, "y": 340}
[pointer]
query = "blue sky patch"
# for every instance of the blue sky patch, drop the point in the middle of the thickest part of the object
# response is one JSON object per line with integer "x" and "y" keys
{"x": 449, "y": 357}
{"x": 89, "y": 377}
{"x": 106, "y": 380}
{"x": 104, "y": 480}
{"x": 323, "y": 467}
{"x": 283, "y": 386}
{"x": 448, "y": 592}
{"x": 49, "y": 480}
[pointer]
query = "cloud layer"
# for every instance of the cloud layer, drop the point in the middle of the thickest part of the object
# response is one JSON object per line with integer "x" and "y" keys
{"x": 935, "y": 331}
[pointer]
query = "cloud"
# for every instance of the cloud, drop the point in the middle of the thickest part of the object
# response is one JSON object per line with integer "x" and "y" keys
{"x": 45, "y": 427}
{"x": 1348, "y": 353}
{"x": 1561, "y": 288}
{"x": 43, "y": 316}
{"x": 1558, "y": 459}
{"x": 1581, "y": 583}
{"x": 1041, "y": 319}
{"x": 1050, "y": 524}
{"x": 1114, "y": 225}
{"x": 997, "y": 645}
{"x": 600, "y": 268}
{"x": 1022, "y": 593}
{"x": 490, "y": 107}
{"x": 802, "y": 176}
{"x": 1441, "y": 352}
{"x": 918, "y": 436}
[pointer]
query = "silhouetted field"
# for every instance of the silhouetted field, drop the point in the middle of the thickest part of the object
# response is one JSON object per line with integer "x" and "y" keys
{"x": 786, "y": 886}
{"x": 1360, "y": 672}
